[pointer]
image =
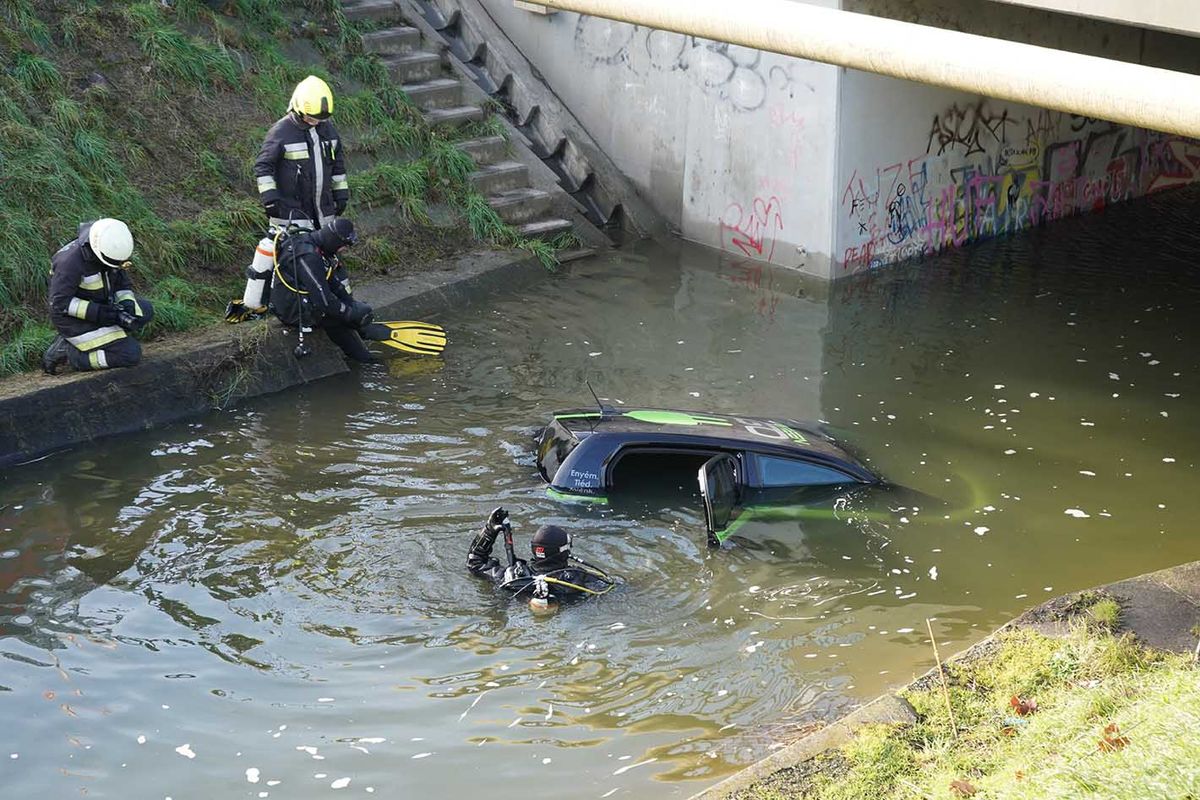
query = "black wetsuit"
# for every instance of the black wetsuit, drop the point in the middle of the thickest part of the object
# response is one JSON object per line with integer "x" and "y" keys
{"x": 560, "y": 580}
{"x": 313, "y": 290}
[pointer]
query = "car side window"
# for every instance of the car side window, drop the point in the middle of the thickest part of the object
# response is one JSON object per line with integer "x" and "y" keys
{"x": 775, "y": 472}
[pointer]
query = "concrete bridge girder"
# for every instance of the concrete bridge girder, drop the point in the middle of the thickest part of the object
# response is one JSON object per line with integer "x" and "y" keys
{"x": 1118, "y": 91}
{"x": 1173, "y": 16}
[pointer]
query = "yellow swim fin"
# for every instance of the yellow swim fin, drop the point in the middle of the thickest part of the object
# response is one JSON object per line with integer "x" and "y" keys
{"x": 421, "y": 338}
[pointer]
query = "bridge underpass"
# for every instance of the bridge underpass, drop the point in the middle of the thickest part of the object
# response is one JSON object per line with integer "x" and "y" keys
{"x": 831, "y": 168}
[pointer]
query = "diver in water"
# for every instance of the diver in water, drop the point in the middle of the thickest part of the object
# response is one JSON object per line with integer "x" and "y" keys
{"x": 552, "y": 575}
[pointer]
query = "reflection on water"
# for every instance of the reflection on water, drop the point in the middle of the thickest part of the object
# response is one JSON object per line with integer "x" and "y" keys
{"x": 273, "y": 600}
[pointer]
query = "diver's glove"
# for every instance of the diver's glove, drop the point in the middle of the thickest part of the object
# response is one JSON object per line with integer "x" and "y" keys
{"x": 498, "y": 519}
{"x": 481, "y": 546}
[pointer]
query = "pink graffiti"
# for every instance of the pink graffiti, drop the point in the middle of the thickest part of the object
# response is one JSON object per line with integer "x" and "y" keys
{"x": 752, "y": 232}
{"x": 1179, "y": 161}
{"x": 781, "y": 118}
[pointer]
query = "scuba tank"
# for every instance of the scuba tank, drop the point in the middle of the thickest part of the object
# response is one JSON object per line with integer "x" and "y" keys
{"x": 258, "y": 284}
{"x": 258, "y": 274}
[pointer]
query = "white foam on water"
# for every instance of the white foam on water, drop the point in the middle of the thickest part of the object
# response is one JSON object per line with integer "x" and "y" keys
{"x": 623, "y": 770}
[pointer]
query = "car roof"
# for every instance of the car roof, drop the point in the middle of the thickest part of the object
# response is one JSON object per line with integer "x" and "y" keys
{"x": 646, "y": 425}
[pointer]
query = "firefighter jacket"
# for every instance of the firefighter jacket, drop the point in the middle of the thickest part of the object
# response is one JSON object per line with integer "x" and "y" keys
{"x": 301, "y": 173}
{"x": 86, "y": 295}
{"x": 309, "y": 289}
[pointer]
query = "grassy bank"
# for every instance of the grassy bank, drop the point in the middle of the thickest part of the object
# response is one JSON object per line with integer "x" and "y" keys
{"x": 154, "y": 113}
{"x": 1089, "y": 715}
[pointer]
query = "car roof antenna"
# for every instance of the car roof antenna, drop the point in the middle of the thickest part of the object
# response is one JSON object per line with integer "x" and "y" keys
{"x": 598, "y": 403}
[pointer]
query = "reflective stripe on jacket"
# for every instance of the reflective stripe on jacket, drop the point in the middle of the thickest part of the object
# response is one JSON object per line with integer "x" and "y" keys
{"x": 303, "y": 169}
{"x": 80, "y": 285}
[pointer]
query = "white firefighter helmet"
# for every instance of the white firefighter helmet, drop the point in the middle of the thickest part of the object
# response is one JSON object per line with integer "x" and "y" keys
{"x": 111, "y": 241}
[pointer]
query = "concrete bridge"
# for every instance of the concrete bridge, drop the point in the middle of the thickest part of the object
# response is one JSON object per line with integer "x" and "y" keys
{"x": 1022, "y": 112}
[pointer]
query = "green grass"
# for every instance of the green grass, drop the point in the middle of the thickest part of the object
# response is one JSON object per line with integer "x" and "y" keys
{"x": 1082, "y": 684}
{"x": 25, "y": 346}
{"x": 176, "y": 55}
{"x": 1106, "y": 612}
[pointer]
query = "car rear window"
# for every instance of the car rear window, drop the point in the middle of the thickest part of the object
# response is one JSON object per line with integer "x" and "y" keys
{"x": 774, "y": 472}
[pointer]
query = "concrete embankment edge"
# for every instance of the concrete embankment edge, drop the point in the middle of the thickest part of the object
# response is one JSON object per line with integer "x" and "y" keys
{"x": 192, "y": 374}
{"x": 1162, "y": 609}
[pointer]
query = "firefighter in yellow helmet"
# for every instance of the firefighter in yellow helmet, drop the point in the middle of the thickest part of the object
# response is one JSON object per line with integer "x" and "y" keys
{"x": 301, "y": 169}
{"x": 301, "y": 174}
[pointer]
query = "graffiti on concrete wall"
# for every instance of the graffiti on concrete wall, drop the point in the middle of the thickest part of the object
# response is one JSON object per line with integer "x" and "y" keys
{"x": 735, "y": 75}
{"x": 989, "y": 171}
{"x": 752, "y": 230}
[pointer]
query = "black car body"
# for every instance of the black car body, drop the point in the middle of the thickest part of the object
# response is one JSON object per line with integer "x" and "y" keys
{"x": 741, "y": 462}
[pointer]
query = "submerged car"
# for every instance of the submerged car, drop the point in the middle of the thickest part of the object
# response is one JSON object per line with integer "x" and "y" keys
{"x": 739, "y": 462}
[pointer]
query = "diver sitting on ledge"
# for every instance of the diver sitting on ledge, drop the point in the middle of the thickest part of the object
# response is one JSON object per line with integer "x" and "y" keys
{"x": 552, "y": 575}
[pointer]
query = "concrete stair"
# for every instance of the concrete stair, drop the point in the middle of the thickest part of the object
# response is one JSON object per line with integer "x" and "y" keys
{"x": 545, "y": 228}
{"x": 417, "y": 64}
{"x": 495, "y": 178}
{"x": 413, "y": 67}
{"x": 518, "y": 206}
{"x": 436, "y": 93}
{"x": 392, "y": 41}
{"x": 359, "y": 10}
{"x": 486, "y": 149}
{"x": 454, "y": 117}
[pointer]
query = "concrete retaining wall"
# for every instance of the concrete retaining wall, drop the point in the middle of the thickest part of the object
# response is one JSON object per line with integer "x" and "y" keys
{"x": 213, "y": 369}
{"x": 734, "y": 147}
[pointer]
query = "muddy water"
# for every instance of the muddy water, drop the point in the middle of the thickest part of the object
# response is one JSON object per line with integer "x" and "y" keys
{"x": 271, "y": 601}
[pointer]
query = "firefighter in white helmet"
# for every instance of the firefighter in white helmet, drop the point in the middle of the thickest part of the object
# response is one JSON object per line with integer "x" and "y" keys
{"x": 302, "y": 183}
{"x": 92, "y": 303}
